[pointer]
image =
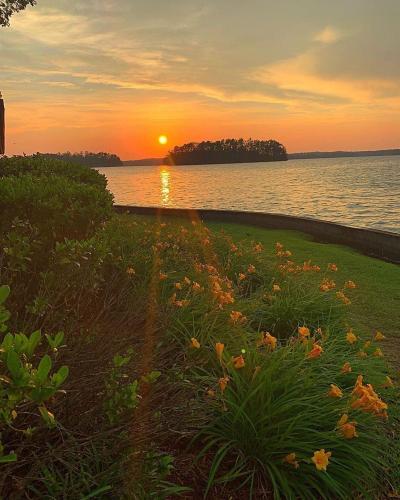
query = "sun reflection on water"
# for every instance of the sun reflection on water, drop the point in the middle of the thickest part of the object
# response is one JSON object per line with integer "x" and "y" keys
{"x": 165, "y": 186}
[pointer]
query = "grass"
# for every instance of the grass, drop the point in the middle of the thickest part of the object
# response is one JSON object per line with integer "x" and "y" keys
{"x": 376, "y": 301}
{"x": 153, "y": 410}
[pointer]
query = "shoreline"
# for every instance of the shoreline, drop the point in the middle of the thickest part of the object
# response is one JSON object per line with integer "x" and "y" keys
{"x": 312, "y": 155}
{"x": 382, "y": 245}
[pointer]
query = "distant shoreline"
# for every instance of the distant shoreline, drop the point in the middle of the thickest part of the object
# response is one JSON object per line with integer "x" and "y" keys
{"x": 291, "y": 156}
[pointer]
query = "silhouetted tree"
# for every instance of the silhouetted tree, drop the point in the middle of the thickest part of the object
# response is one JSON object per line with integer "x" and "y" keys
{"x": 87, "y": 158}
{"x": 226, "y": 151}
{"x": 10, "y": 7}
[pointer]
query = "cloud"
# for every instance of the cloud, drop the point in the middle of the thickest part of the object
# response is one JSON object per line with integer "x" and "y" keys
{"x": 328, "y": 35}
{"x": 199, "y": 59}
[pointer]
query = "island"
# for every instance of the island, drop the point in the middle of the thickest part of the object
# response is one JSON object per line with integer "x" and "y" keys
{"x": 226, "y": 151}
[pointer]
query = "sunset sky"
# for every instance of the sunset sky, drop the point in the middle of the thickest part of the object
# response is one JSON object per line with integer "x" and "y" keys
{"x": 113, "y": 75}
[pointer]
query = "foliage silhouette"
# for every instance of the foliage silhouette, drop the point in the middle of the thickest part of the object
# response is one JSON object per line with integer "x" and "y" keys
{"x": 226, "y": 151}
{"x": 10, "y": 7}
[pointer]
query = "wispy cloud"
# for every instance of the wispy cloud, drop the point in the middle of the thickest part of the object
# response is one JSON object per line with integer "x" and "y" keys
{"x": 328, "y": 35}
{"x": 77, "y": 61}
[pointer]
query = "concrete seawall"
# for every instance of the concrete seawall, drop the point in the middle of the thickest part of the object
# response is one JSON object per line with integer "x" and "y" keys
{"x": 380, "y": 244}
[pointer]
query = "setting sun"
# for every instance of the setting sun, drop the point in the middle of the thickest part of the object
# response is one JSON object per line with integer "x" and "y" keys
{"x": 163, "y": 139}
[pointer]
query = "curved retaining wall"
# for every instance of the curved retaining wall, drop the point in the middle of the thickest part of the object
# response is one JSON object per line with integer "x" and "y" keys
{"x": 380, "y": 244}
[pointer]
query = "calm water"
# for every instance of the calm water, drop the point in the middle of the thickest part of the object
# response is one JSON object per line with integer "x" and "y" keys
{"x": 363, "y": 192}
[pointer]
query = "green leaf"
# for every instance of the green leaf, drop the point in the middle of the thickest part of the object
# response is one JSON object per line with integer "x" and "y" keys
{"x": 6, "y": 459}
{"x": 43, "y": 368}
{"x": 58, "y": 339}
{"x": 120, "y": 361}
{"x": 33, "y": 342}
{"x": 151, "y": 377}
{"x": 50, "y": 341}
{"x": 97, "y": 492}
{"x": 14, "y": 364}
{"x": 7, "y": 342}
{"x": 42, "y": 394}
{"x": 60, "y": 376}
{"x": 4, "y": 293}
{"x": 47, "y": 416}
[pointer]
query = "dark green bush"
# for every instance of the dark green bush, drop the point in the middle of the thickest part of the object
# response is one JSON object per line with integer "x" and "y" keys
{"x": 57, "y": 207}
{"x": 38, "y": 165}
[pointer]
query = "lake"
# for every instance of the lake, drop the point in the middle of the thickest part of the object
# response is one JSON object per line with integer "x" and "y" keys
{"x": 360, "y": 192}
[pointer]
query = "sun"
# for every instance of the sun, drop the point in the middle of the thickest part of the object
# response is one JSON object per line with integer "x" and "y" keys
{"x": 163, "y": 139}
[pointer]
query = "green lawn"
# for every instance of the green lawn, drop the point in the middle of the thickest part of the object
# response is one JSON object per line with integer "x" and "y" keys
{"x": 376, "y": 301}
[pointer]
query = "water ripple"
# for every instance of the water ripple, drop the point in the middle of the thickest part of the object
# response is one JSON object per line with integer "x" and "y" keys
{"x": 362, "y": 192}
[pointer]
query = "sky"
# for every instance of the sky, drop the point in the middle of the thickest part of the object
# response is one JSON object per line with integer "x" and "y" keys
{"x": 113, "y": 75}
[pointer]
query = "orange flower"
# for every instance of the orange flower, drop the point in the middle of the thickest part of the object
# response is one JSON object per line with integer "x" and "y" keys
{"x": 196, "y": 287}
{"x": 195, "y": 343}
{"x": 268, "y": 340}
{"x": 335, "y": 391}
{"x": 291, "y": 460}
{"x": 341, "y": 296}
{"x": 378, "y": 353}
{"x": 315, "y": 351}
{"x": 234, "y": 248}
{"x": 276, "y": 288}
{"x": 303, "y": 331}
{"x": 163, "y": 276}
{"x": 321, "y": 459}
{"x": 307, "y": 266}
{"x": 332, "y": 267}
{"x": 327, "y": 285}
{"x": 237, "y": 317}
{"x": 211, "y": 393}
{"x": 258, "y": 248}
{"x": 350, "y": 284}
{"x": 362, "y": 354}
{"x": 187, "y": 280}
{"x": 223, "y": 382}
{"x": 343, "y": 419}
{"x": 242, "y": 276}
{"x": 130, "y": 271}
{"x": 278, "y": 247}
{"x": 238, "y": 362}
{"x": 367, "y": 399}
{"x": 178, "y": 286}
{"x": 219, "y": 348}
{"x": 379, "y": 336}
{"x": 251, "y": 269}
{"x": 348, "y": 429}
{"x": 346, "y": 368}
{"x": 181, "y": 303}
{"x": 367, "y": 344}
{"x": 350, "y": 337}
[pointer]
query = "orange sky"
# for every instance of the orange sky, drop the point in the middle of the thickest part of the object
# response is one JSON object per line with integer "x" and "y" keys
{"x": 116, "y": 77}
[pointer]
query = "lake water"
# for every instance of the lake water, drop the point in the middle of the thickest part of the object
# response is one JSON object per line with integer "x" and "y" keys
{"x": 361, "y": 192}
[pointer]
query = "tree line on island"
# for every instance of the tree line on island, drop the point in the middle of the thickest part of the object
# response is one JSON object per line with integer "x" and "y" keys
{"x": 226, "y": 151}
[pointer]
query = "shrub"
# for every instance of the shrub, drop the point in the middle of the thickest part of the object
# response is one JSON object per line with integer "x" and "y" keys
{"x": 58, "y": 207}
{"x": 40, "y": 166}
{"x": 25, "y": 377}
{"x": 277, "y": 405}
